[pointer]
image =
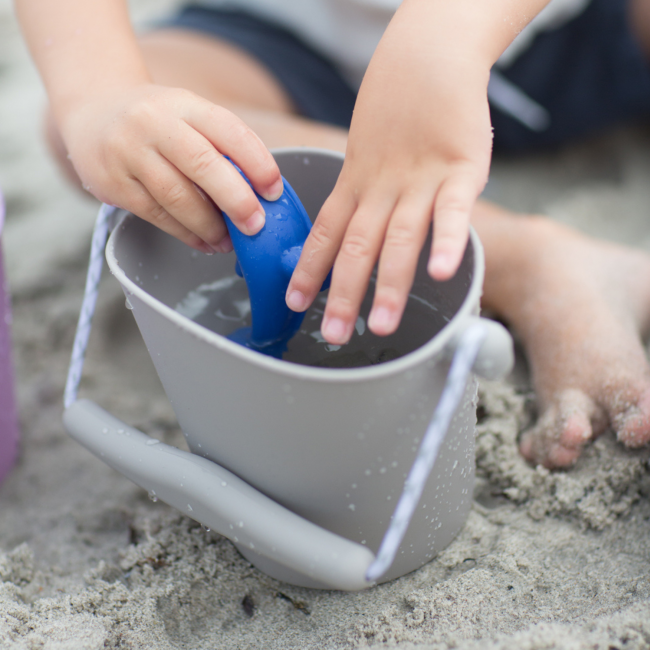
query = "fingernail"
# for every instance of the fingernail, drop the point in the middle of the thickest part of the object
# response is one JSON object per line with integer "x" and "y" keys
{"x": 296, "y": 301}
{"x": 441, "y": 266}
{"x": 275, "y": 191}
{"x": 334, "y": 330}
{"x": 224, "y": 246}
{"x": 206, "y": 248}
{"x": 382, "y": 320}
{"x": 255, "y": 223}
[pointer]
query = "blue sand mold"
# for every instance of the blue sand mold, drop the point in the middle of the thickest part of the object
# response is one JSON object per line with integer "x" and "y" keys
{"x": 266, "y": 261}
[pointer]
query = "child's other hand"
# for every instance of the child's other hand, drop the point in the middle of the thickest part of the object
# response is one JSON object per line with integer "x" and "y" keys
{"x": 148, "y": 148}
{"x": 419, "y": 149}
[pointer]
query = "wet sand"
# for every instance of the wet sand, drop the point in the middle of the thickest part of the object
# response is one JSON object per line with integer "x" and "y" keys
{"x": 88, "y": 561}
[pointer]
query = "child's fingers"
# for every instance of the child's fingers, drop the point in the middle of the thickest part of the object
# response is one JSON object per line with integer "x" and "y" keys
{"x": 180, "y": 199}
{"x": 453, "y": 205}
{"x": 405, "y": 235}
{"x": 138, "y": 200}
{"x": 320, "y": 250}
{"x": 233, "y": 138}
{"x": 204, "y": 165}
{"x": 356, "y": 258}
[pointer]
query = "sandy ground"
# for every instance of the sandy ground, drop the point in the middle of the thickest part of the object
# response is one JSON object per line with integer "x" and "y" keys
{"x": 88, "y": 561}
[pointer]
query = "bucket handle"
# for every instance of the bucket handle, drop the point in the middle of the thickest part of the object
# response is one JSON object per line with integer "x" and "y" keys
{"x": 223, "y": 502}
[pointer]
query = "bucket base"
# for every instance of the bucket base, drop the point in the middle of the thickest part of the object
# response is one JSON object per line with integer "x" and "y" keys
{"x": 279, "y": 571}
{"x": 282, "y": 573}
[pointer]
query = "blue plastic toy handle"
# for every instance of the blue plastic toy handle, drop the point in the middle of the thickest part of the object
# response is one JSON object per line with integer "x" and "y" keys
{"x": 266, "y": 261}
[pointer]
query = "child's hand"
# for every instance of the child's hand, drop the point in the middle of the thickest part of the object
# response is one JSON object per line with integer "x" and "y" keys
{"x": 419, "y": 148}
{"x": 149, "y": 148}
{"x": 418, "y": 151}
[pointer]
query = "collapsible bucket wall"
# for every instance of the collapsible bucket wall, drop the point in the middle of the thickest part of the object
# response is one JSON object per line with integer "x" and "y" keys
{"x": 8, "y": 417}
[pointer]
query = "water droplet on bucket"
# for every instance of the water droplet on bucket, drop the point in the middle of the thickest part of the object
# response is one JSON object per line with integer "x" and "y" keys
{"x": 352, "y": 507}
{"x": 189, "y": 508}
{"x": 127, "y": 304}
{"x": 152, "y": 496}
{"x": 153, "y": 442}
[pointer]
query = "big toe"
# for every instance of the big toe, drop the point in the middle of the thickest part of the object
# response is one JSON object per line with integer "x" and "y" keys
{"x": 631, "y": 418}
{"x": 570, "y": 421}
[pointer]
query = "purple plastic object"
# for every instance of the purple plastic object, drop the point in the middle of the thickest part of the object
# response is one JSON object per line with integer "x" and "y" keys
{"x": 8, "y": 415}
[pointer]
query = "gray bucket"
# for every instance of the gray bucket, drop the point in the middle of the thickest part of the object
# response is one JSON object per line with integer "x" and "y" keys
{"x": 300, "y": 466}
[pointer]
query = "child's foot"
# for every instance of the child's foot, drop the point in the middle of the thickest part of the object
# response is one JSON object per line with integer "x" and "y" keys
{"x": 580, "y": 306}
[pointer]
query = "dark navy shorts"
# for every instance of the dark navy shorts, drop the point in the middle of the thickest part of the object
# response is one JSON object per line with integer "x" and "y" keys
{"x": 588, "y": 74}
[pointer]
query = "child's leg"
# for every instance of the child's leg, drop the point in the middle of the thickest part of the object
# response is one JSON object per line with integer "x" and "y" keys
{"x": 231, "y": 78}
{"x": 580, "y": 307}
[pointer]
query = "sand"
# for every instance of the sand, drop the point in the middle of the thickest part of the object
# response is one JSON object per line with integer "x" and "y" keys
{"x": 87, "y": 561}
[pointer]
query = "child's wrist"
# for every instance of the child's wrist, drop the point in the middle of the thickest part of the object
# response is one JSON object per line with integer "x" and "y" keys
{"x": 69, "y": 103}
{"x": 466, "y": 29}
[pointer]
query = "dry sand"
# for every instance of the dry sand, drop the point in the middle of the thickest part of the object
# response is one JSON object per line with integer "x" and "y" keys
{"x": 546, "y": 560}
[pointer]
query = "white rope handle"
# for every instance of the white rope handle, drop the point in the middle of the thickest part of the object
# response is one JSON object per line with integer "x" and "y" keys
{"x": 461, "y": 365}
{"x": 95, "y": 265}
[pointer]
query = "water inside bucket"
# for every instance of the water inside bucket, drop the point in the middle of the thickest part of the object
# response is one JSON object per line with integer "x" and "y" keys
{"x": 223, "y": 306}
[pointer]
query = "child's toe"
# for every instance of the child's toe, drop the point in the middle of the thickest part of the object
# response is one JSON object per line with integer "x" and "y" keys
{"x": 567, "y": 424}
{"x": 631, "y": 420}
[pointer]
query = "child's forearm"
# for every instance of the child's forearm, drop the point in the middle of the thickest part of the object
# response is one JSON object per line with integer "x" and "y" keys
{"x": 82, "y": 49}
{"x": 464, "y": 30}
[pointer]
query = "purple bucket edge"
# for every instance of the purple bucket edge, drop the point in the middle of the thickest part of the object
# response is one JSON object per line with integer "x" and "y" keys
{"x": 8, "y": 413}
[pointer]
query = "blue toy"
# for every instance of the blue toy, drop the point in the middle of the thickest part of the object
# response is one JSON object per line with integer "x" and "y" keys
{"x": 266, "y": 261}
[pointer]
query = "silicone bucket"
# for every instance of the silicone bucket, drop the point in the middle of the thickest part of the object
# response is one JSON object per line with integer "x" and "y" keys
{"x": 301, "y": 467}
{"x": 8, "y": 416}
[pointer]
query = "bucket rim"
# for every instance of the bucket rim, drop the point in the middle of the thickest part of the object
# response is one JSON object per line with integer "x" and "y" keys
{"x": 409, "y": 361}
